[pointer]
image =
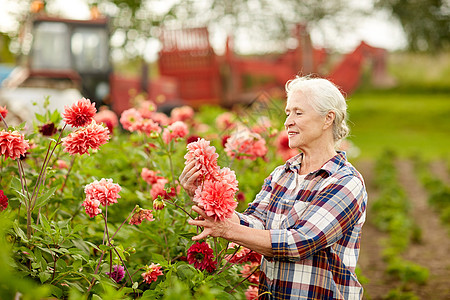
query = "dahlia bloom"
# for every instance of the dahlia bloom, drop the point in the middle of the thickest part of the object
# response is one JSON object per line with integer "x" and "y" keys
{"x": 61, "y": 164}
{"x": 80, "y": 141}
{"x": 3, "y": 201}
{"x": 159, "y": 189}
{"x": 205, "y": 157}
{"x": 182, "y": 113}
{"x": 80, "y": 113}
{"x": 141, "y": 215}
{"x": 151, "y": 273}
{"x": 146, "y": 108}
{"x": 48, "y": 129}
{"x": 216, "y": 198}
{"x": 13, "y": 144}
{"x": 91, "y": 207}
{"x": 262, "y": 125}
{"x": 245, "y": 144}
{"x": 239, "y": 255}
{"x": 158, "y": 204}
{"x": 104, "y": 191}
{"x": 160, "y": 118}
{"x": 176, "y": 130}
{"x": 149, "y": 176}
{"x": 225, "y": 121}
{"x": 118, "y": 274}
{"x": 201, "y": 256}
{"x": 282, "y": 146}
{"x": 107, "y": 117}
{"x": 226, "y": 175}
{"x": 251, "y": 272}
{"x": 251, "y": 293}
{"x": 148, "y": 126}
{"x": 3, "y": 111}
{"x": 130, "y": 119}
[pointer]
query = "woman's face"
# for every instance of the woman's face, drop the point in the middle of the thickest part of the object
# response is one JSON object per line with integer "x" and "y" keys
{"x": 305, "y": 127}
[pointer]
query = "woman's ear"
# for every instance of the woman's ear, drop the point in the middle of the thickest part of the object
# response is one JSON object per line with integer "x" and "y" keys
{"x": 329, "y": 119}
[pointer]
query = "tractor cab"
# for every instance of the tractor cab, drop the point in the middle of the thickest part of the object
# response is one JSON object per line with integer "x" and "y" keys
{"x": 63, "y": 59}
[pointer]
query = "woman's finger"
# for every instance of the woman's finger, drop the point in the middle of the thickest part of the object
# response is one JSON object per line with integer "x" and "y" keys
{"x": 200, "y": 211}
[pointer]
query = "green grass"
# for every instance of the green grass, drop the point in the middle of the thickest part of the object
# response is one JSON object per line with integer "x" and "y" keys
{"x": 407, "y": 123}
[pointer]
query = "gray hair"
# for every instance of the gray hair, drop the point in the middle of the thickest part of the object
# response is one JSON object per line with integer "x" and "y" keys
{"x": 324, "y": 97}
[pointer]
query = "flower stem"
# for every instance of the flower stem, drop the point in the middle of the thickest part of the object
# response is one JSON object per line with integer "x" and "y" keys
{"x": 67, "y": 174}
{"x": 177, "y": 206}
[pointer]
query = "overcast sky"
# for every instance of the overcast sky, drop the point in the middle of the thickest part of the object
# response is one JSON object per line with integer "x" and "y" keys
{"x": 378, "y": 30}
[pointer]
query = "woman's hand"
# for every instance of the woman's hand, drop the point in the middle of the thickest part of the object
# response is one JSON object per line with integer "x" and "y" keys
{"x": 210, "y": 226}
{"x": 189, "y": 178}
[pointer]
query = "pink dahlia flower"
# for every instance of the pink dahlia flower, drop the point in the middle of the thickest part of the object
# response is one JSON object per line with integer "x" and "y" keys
{"x": 245, "y": 144}
{"x": 216, "y": 198}
{"x": 205, "y": 157}
{"x": 160, "y": 118}
{"x": 182, "y": 113}
{"x": 228, "y": 176}
{"x": 89, "y": 137}
{"x": 251, "y": 293}
{"x": 151, "y": 273}
{"x": 13, "y": 144}
{"x": 118, "y": 274}
{"x": 148, "y": 126}
{"x": 225, "y": 121}
{"x": 159, "y": 189}
{"x": 141, "y": 215}
{"x": 150, "y": 176}
{"x": 239, "y": 255}
{"x": 176, "y": 130}
{"x": 107, "y": 117}
{"x": 80, "y": 113}
{"x": 61, "y": 164}
{"x": 146, "y": 108}
{"x": 130, "y": 119}
{"x": 251, "y": 272}
{"x": 3, "y": 111}
{"x": 201, "y": 256}
{"x": 104, "y": 191}
{"x": 3, "y": 201}
{"x": 91, "y": 206}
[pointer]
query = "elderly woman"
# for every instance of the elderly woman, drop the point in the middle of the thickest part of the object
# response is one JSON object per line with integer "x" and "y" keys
{"x": 306, "y": 221}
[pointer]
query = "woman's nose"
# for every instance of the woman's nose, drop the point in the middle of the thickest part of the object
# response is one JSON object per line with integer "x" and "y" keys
{"x": 288, "y": 121}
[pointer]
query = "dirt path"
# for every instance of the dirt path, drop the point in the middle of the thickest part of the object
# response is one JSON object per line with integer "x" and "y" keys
{"x": 370, "y": 260}
{"x": 432, "y": 253}
{"x": 434, "y": 250}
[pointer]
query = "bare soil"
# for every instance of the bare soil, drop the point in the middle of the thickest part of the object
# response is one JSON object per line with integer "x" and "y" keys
{"x": 433, "y": 252}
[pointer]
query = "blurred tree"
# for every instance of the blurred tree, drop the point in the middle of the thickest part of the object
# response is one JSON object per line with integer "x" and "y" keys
{"x": 426, "y": 22}
{"x": 267, "y": 22}
{"x": 5, "y": 55}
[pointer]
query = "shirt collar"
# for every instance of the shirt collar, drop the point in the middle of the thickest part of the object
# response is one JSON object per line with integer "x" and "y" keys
{"x": 330, "y": 166}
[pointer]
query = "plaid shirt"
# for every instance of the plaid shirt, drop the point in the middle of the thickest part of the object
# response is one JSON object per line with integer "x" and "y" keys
{"x": 315, "y": 225}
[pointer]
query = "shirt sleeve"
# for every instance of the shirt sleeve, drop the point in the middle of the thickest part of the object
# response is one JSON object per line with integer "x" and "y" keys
{"x": 329, "y": 215}
{"x": 255, "y": 216}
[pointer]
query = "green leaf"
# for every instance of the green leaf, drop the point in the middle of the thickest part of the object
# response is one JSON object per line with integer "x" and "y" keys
{"x": 45, "y": 223}
{"x": 40, "y": 118}
{"x": 187, "y": 235}
{"x": 43, "y": 199}
{"x": 19, "y": 231}
{"x": 44, "y": 276}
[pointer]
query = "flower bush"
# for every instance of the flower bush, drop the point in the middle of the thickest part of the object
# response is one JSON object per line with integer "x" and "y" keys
{"x": 90, "y": 204}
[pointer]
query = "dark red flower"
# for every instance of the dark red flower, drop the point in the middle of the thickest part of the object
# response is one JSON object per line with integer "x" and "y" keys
{"x": 201, "y": 256}
{"x": 3, "y": 201}
{"x": 48, "y": 129}
{"x": 192, "y": 138}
